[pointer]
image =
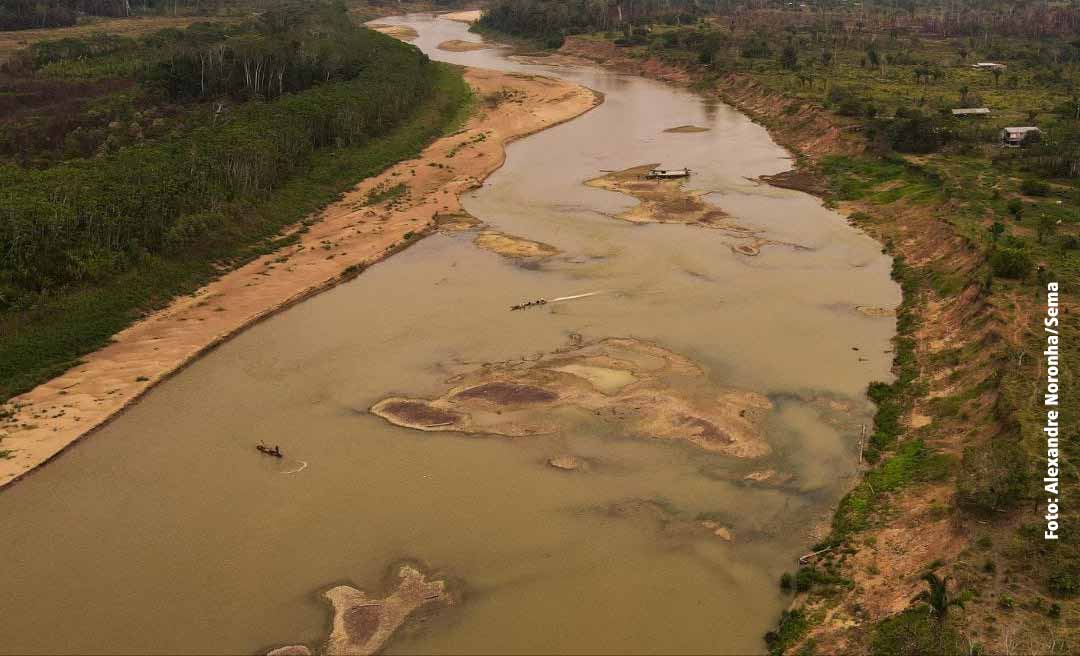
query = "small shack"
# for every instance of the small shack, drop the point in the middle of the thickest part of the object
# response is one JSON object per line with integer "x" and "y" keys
{"x": 989, "y": 66}
{"x": 1019, "y": 136}
{"x": 971, "y": 111}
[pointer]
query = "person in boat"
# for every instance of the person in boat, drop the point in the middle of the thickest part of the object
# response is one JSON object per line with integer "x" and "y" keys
{"x": 276, "y": 451}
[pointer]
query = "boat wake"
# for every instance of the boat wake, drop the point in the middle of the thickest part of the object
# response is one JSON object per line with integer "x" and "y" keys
{"x": 303, "y": 466}
{"x": 568, "y": 298}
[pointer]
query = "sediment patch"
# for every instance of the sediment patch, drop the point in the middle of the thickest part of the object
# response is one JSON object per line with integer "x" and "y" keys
{"x": 643, "y": 389}
{"x": 362, "y": 624}
{"x": 457, "y": 45}
{"x": 397, "y": 31}
{"x": 512, "y": 246}
{"x": 666, "y": 201}
{"x": 661, "y": 201}
{"x": 686, "y": 129}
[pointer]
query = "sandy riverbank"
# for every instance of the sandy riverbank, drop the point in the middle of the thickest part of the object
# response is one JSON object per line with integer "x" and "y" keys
{"x": 347, "y": 236}
{"x": 468, "y": 16}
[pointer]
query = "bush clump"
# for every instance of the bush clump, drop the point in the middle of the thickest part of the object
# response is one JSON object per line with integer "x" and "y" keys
{"x": 993, "y": 477}
{"x": 1033, "y": 187}
{"x": 1011, "y": 263}
{"x": 914, "y": 633}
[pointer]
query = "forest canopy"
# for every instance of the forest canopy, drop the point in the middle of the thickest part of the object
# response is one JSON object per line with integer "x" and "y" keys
{"x": 238, "y": 110}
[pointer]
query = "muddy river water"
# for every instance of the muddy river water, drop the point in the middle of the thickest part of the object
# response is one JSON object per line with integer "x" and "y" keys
{"x": 165, "y": 533}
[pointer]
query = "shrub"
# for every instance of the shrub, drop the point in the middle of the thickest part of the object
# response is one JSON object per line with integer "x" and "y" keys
{"x": 1064, "y": 583}
{"x": 789, "y": 57}
{"x": 993, "y": 477}
{"x": 1011, "y": 263}
{"x": 912, "y": 131}
{"x": 785, "y": 581}
{"x": 845, "y": 102}
{"x": 793, "y": 625}
{"x": 1033, "y": 187}
{"x": 756, "y": 46}
{"x": 914, "y": 633}
{"x": 1016, "y": 208}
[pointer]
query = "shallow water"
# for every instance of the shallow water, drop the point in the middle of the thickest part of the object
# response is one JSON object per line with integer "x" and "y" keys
{"x": 165, "y": 533}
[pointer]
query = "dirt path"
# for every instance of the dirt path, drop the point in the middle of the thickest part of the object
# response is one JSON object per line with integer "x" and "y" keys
{"x": 349, "y": 235}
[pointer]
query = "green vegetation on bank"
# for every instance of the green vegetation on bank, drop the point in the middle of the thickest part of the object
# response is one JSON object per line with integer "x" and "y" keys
{"x": 87, "y": 244}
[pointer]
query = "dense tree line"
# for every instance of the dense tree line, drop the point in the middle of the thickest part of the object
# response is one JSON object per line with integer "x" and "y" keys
{"x": 281, "y": 55}
{"x": 84, "y": 219}
{"x": 31, "y": 14}
{"x": 26, "y": 14}
{"x": 551, "y": 20}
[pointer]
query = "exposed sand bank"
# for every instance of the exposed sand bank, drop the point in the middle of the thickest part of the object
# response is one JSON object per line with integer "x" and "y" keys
{"x": 666, "y": 201}
{"x": 640, "y": 387}
{"x": 347, "y": 236}
{"x": 402, "y": 32}
{"x": 362, "y": 625}
{"x": 662, "y": 201}
{"x": 469, "y": 16}
{"x": 515, "y": 247}
{"x": 457, "y": 45}
{"x": 687, "y": 129}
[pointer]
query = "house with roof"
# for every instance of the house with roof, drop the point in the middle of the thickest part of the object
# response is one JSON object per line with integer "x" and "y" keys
{"x": 1020, "y": 136}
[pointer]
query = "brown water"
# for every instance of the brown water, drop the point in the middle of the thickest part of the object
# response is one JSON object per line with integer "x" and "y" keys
{"x": 164, "y": 532}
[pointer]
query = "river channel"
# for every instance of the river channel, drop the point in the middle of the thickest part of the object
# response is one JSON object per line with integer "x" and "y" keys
{"x": 165, "y": 533}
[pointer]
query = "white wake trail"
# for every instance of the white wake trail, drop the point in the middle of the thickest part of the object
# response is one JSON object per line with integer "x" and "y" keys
{"x": 303, "y": 466}
{"x": 567, "y": 298}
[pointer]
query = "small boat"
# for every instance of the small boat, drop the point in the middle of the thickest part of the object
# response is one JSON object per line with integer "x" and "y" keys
{"x": 528, "y": 304}
{"x": 276, "y": 451}
{"x": 665, "y": 174}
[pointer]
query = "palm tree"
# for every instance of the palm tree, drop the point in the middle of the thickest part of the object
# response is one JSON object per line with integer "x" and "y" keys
{"x": 937, "y": 597}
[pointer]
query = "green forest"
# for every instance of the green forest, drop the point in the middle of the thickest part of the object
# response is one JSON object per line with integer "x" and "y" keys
{"x": 131, "y": 169}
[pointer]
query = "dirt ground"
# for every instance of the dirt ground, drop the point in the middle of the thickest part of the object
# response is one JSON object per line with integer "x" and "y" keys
{"x": 345, "y": 237}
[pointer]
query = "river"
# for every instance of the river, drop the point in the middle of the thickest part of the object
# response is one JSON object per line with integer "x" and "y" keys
{"x": 165, "y": 533}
